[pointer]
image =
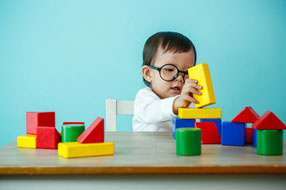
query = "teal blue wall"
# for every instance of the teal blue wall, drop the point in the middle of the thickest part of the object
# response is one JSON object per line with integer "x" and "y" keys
{"x": 69, "y": 56}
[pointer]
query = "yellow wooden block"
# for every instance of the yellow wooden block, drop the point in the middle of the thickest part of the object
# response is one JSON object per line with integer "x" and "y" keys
{"x": 201, "y": 73}
{"x": 198, "y": 113}
{"x": 27, "y": 141}
{"x": 76, "y": 149}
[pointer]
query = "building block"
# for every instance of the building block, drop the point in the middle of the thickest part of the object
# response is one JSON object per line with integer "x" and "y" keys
{"x": 47, "y": 138}
{"x": 70, "y": 133}
{"x": 27, "y": 141}
{"x": 269, "y": 142}
{"x": 182, "y": 123}
{"x": 201, "y": 73}
{"x": 73, "y": 123}
{"x": 188, "y": 142}
{"x": 94, "y": 133}
{"x": 194, "y": 113}
{"x": 210, "y": 134}
{"x": 269, "y": 121}
{"x": 248, "y": 135}
{"x": 233, "y": 134}
{"x": 217, "y": 123}
{"x": 247, "y": 115}
{"x": 254, "y": 137}
{"x": 35, "y": 119}
{"x": 76, "y": 149}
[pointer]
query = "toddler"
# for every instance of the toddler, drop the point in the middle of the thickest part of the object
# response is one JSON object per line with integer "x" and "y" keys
{"x": 166, "y": 59}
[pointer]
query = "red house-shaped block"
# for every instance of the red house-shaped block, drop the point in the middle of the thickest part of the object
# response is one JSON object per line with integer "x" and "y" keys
{"x": 269, "y": 121}
{"x": 36, "y": 119}
{"x": 210, "y": 134}
{"x": 247, "y": 115}
{"x": 94, "y": 133}
{"x": 47, "y": 138}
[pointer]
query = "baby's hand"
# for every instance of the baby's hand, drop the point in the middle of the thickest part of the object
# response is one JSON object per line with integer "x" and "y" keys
{"x": 186, "y": 98}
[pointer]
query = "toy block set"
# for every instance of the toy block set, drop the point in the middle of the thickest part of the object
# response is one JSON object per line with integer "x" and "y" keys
{"x": 265, "y": 134}
{"x": 73, "y": 141}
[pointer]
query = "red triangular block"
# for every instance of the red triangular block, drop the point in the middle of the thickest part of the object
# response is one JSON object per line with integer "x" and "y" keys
{"x": 210, "y": 134}
{"x": 94, "y": 133}
{"x": 247, "y": 115}
{"x": 47, "y": 138}
{"x": 269, "y": 121}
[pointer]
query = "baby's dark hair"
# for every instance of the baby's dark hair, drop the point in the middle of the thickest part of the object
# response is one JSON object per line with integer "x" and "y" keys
{"x": 169, "y": 41}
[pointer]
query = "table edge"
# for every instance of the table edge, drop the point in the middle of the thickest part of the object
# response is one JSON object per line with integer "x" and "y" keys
{"x": 125, "y": 170}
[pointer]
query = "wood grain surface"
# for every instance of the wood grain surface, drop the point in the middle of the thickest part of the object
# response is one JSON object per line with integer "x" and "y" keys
{"x": 141, "y": 153}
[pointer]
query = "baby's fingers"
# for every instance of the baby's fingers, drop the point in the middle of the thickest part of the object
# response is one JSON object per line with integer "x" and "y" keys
{"x": 191, "y": 99}
{"x": 194, "y": 91}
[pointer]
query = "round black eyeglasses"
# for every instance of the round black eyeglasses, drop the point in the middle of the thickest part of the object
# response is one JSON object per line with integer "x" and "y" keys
{"x": 169, "y": 72}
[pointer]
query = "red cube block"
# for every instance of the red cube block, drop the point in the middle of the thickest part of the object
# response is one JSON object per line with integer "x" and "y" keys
{"x": 47, "y": 138}
{"x": 248, "y": 135}
{"x": 94, "y": 133}
{"x": 210, "y": 134}
{"x": 36, "y": 119}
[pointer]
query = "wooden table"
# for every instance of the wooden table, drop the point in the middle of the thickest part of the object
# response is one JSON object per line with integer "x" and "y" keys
{"x": 143, "y": 153}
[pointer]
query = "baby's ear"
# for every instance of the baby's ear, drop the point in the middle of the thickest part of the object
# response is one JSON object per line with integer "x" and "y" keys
{"x": 146, "y": 73}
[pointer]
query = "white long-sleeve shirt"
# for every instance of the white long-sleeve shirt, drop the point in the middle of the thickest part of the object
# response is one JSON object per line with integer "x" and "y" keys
{"x": 152, "y": 113}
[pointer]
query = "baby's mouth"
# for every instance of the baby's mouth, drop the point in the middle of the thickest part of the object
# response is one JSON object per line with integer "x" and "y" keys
{"x": 176, "y": 89}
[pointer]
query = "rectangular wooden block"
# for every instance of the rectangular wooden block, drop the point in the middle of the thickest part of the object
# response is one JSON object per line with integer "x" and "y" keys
{"x": 194, "y": 113}
{"x": 76, "y": 149}
{"x": 201, "y": 73}
{"x": 27, "y": 141}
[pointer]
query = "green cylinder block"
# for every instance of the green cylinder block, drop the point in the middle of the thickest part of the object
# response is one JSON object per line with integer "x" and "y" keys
{"x": 269, "y": 142}
{"x": 71, "y": 132}
{"x": 188, "y": 141}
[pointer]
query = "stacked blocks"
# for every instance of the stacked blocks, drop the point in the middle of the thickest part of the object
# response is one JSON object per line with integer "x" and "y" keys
{"x": 41, "y": 127}
{"x": 188, "y": 142}
{"x": 71, "y": 132}
{"x": 246, "y": 115}
{"x": 182, "y": 123}
{"x": 210, "y": 125}
{"x": 269, "y": 134}
{"x": 201, "y": 73}
{"x": 209, "y": 132}
{"x": 233, "y": 134}
{"x": 89, "y": 143}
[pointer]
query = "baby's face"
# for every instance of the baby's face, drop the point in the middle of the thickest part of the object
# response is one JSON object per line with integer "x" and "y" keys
{"x": 183, "y": 61}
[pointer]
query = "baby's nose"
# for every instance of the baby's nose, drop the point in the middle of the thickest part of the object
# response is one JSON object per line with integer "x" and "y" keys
{"x": 180, "y": 78}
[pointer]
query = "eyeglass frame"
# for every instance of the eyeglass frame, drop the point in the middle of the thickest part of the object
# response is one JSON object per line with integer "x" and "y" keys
{"x": 175, "y": 77}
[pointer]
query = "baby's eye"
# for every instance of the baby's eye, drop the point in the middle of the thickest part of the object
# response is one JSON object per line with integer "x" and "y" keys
{"x": 169, "y": 69}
